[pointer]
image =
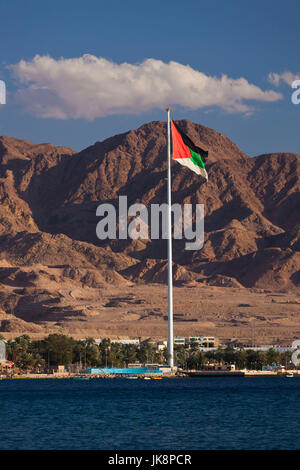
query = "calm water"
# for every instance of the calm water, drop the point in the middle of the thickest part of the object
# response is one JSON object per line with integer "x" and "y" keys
{"x": 214, "y": 413}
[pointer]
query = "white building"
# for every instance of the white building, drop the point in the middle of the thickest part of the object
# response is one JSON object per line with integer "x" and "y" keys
{"x": 126, "y": 341}
{"x": 161, "y": 345}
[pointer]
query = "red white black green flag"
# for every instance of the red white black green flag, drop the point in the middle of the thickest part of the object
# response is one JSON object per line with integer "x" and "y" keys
{"x": 187, "y": 153}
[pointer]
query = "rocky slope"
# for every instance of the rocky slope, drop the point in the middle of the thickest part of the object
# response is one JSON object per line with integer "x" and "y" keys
{"x": 49, "y": 195}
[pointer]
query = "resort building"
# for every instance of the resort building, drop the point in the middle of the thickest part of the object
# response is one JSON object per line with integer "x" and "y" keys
{"x": 126, "y": 341}
{"x": 120, "y": 341}
{"x": 201, "y": 341}
{"x": 180, "y": 340}
{"x": 146, "y": 370}
{"x": 161, "y": 345}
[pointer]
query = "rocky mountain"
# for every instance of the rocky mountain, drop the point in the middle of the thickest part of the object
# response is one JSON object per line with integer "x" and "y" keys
{"x": 49, "y": 196}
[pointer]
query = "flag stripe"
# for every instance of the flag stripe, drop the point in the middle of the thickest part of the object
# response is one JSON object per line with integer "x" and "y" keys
{"x": 180, "y": 150}
{"x": 191, "y": 165}
{"x": 186, "y": 155}
{"x": 189, "y": 143}
{"x": 196, "y": 158}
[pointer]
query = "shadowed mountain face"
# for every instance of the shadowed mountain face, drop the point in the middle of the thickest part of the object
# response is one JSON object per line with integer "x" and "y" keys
{"x": 49, "y": 196}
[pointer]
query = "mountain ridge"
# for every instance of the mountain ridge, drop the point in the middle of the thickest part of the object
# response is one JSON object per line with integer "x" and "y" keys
{"x": 49, "y": 196}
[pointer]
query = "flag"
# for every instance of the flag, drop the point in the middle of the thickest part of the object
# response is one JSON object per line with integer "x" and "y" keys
{"x": 187, "y": 153}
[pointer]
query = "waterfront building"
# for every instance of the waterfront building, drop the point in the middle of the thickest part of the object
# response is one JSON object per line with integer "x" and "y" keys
{"x": 120, "y": 341}
{"x": 161, "y": 345}
{"x": 124, "y": 371}
{"x": 180, "y": 340}
{"x": 136, "y": 342}
{"x": 202, "y": 341}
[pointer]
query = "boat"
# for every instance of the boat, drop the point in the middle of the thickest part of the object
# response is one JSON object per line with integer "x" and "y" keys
{"x": 81, "y": 377}
{"x": 134, "y": 377}
{"x": 290, "y": 375}
{"x": 147, "y": 378}
{"x": 156, "y": 378}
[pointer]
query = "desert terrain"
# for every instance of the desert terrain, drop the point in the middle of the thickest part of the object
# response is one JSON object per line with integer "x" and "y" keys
{"x": 55, "y": 300}
{"x": 56, "y": 276}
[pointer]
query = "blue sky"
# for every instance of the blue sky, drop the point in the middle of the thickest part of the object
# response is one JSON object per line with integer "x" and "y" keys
{"x": 232, "y": 38}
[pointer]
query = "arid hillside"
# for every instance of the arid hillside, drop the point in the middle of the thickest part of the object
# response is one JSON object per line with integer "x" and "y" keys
{"x": 53, "y": 268}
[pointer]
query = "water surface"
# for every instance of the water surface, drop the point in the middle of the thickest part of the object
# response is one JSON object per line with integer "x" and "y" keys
{"x": 198, "y": 413}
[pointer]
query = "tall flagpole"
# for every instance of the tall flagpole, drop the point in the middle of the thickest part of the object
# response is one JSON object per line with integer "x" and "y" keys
{"x": 170, "y": 276}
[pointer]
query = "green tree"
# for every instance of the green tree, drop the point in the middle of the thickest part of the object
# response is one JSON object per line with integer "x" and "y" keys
{"x": 240, "y": 359}
{"x": 272, "y": 356}
{"x": 57, "y": 349}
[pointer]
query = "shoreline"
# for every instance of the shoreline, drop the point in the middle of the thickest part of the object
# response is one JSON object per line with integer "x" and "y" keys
{"x": 192, "y": 374}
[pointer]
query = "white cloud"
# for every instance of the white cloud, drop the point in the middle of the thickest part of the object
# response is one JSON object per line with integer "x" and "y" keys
{"x": 285, "y": 77}
{"x": 89, "y": 87}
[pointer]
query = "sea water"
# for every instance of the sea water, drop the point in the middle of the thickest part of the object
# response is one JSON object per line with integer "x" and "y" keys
{"x": 195, "y": 413}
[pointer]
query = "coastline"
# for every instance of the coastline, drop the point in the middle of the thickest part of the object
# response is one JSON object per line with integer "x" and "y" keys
{"x": 186, "y": 374}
